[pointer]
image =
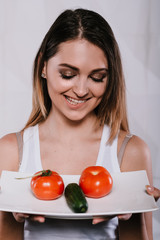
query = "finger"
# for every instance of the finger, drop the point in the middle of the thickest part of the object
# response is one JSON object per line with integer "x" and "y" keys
{"x": 20, "y": 217}
{"x": 155, "y": 192}
{"x": 37, "y": 218}
{"x": 98, "y": 220}
{"x": 124, "y": 217}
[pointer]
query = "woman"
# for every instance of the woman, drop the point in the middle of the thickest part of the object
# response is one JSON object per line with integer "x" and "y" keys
{"x": 78, "y": 106}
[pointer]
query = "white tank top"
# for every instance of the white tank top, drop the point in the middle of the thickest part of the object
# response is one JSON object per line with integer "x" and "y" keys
{"x": 59, "y": 229}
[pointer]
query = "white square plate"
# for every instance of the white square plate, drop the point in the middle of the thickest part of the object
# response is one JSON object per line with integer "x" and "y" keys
{"x": 128, "y": 195}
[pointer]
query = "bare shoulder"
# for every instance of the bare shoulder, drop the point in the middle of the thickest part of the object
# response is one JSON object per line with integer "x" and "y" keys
{"x": 9, "y": 152}
{"x": 137, "y": 156}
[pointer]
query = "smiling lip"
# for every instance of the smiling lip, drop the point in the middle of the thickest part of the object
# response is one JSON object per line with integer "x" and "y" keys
{"x": 74, "y": 101}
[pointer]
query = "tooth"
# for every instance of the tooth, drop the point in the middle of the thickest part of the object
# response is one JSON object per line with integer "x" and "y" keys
{"x": 74, "y": 101}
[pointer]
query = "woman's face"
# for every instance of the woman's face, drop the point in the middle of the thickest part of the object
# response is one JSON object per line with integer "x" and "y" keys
{"x": 76, "y": 78}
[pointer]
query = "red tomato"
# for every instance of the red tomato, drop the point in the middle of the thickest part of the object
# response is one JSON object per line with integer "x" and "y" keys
{"x": 95, "y": 182}
{"x": 47, "y": 185}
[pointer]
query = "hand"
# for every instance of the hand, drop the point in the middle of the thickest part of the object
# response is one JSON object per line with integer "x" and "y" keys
{"x": 155, "y": 192}
{"x": 20, "y": 217}
{"x": 123, "y": 217}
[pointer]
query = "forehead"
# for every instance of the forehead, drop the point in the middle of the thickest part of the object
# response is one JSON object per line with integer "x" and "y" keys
{"x": 80, "y": 52}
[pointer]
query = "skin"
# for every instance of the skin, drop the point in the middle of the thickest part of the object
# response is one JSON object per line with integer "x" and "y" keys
{"x": 68, "y": 121}
{"x": 155, "y": 192}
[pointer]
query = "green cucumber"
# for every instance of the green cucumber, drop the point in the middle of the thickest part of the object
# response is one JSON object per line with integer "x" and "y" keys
{"x": 75, "y": 198}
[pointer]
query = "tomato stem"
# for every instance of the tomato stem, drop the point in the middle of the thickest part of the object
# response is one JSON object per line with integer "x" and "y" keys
{"x": 41, "y": 173}
{"x": 46, "y": 172}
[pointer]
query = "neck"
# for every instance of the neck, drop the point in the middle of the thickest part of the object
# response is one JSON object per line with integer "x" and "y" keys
{"x": 56, "y": 125}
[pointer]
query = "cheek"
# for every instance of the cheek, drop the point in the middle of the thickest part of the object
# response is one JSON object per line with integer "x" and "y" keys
{"x": 58, "y": 85}
{"x": 98, "y": 91}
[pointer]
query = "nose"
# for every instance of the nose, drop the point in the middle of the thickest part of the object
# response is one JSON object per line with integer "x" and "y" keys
{"x": 80, "y": 87}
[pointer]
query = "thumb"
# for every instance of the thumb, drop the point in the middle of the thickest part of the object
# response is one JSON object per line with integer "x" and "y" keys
{"x": 155, "y": 192}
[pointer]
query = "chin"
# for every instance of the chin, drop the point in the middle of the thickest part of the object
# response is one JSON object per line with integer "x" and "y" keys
{"x": 76, "y": 119}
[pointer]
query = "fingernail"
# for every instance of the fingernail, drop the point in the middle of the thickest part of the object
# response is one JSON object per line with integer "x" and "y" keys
{"x": 42, "y": 220}
{"x": 93, "y": 222}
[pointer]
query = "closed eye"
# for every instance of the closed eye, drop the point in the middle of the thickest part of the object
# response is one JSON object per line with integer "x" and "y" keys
{"x": 67, "y": 76}
{"x": 98, "y": 78}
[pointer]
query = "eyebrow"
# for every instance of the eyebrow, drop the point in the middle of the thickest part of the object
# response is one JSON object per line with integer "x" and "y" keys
{"x": 76, "y": 69}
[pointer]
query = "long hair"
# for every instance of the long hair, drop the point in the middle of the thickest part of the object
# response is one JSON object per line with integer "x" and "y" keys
{"x": 89, "y": 25}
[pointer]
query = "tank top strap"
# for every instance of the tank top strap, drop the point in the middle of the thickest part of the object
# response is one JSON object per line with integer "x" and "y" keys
{"x": 104, "y": 138}
{"x": 107, "y": 156}
{"x": 31, "y": 160}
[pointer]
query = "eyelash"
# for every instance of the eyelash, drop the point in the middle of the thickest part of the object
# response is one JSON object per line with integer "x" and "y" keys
{"x": 97, "y": 79}
{"x": 94, "y": 79}
{"x": 67, "y": 77}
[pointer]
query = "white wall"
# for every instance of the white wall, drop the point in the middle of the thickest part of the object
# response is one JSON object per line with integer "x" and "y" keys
{"x": 136, "y": 25}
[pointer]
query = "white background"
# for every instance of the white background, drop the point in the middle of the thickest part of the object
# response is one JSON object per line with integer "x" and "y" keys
{"x": 136, "y": 24}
